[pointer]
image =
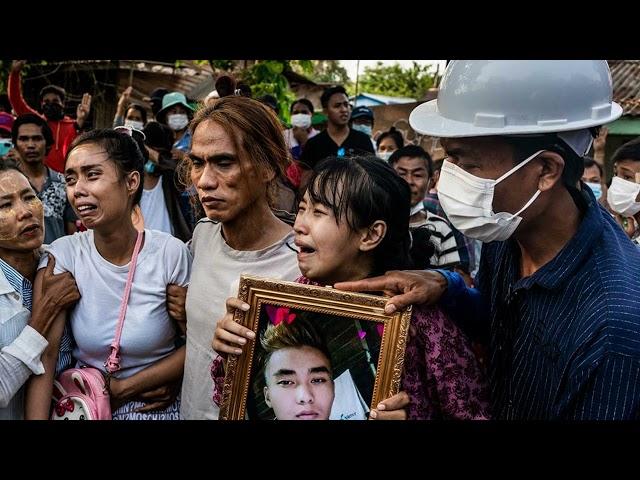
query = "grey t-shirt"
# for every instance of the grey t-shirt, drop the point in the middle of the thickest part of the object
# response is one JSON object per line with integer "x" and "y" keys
{"x": 215, "y": 276}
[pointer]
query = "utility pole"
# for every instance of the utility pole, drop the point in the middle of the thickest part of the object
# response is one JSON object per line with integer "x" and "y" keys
{"x": 355, "y": 102}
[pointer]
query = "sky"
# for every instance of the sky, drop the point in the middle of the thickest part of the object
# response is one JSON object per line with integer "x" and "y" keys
{"x": 350, "y": 65}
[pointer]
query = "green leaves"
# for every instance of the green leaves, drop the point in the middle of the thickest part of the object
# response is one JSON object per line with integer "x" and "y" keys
{"x": 396, "y": 81}
{"x": 266, "y": 78}
{"x": 322, "y": 71}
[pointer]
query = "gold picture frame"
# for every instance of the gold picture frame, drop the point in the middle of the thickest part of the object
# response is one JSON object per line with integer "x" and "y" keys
{"x": 357, "y": 315}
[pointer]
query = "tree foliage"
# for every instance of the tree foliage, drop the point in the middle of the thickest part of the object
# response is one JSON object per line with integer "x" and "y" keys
{"x": 325, "y": 71}
{"x": 393, "y": 80}
{"x": 5, "y": 69}
{"x": 266, "y": 77}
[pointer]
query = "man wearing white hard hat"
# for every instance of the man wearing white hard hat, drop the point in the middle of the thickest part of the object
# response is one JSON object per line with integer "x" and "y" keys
{"x": 558, "y": 286}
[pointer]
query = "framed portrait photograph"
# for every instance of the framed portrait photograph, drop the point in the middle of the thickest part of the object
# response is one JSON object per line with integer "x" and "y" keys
{"x": 319, "y": 353}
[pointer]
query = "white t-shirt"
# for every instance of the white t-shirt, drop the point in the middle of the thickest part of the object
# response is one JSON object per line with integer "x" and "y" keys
{"x": 291, "y": 140}
{"x": 215, "y": 277}
{"x": 154, "y": 210}
{"x": 348, "y": 403}
{"x": 149, "y": 333}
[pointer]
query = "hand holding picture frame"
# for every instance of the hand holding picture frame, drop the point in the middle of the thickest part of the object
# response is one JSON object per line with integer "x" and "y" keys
{"x": 319, "y": 353}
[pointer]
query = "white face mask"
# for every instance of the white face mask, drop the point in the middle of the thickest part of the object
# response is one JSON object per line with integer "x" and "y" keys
{"x": 366, "y": 129}
{"x": 134, "y": 124}
{"x": 622, "y": 195}
{"x": 177, "y": 121}
{"x": 385, "y": 155}
{"x": 468, "y": 202}
{"x": 301, "y": 120}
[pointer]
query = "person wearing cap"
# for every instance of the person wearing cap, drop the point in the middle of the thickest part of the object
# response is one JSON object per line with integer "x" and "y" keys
{"x": 64, "y": 128}
{"x": 558, "y": 283}
{"x": 338, "y": 139}
{"x": 155, "y": 100}
{"x": 362, "y": 121}
{"x": 176, "y": 113}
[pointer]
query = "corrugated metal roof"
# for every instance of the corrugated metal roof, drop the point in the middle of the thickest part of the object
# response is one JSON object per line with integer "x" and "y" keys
{"x": 625, "y": 75}
{"x": 385, "y": 99}
{"x": 107, "y": 79}
{"x": 195, "y": 81}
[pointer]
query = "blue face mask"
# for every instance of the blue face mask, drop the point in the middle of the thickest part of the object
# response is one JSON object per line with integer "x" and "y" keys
{"x": 366, "y": 129}
{"x": 596, "y": 188}
{"x": 5, "y": 146}
{"x": 150, "y": 167}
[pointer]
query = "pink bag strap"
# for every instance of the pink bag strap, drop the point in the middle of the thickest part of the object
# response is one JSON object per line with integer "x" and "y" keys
{"x": 113, "y": 362}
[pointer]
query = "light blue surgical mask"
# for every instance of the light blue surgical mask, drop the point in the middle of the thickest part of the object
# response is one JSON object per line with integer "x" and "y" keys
{"x": 596, "y": 188}
{"x": 366, "y": 129}
{"x": 5, "y": 146}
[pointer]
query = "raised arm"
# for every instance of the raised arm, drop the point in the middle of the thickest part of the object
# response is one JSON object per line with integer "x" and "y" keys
{"x": 465, "y": 305}
{"x": 14, "y": 90}
{"x": 121, "y": 109}
{"x": 82, "y": 112}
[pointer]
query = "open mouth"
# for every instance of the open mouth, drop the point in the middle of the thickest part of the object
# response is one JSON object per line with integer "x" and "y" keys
{"x": 84, "y": 209}
{"x": 305, "y": 249}
{"x": 31, "y": 229}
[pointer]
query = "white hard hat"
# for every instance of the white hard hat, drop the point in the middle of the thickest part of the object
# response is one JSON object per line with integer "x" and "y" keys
{"x": 518, "y": 97}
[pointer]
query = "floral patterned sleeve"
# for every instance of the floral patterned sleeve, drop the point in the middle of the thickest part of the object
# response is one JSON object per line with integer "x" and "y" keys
{"x": 217, "y": 375}
{"x": 442, "y": 376}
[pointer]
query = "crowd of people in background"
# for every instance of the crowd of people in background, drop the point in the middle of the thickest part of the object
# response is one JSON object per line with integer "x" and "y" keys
{"x": 519, "y": 250}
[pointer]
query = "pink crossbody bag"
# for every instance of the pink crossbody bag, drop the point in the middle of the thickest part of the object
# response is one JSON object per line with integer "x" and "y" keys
{"x": 83, "y": 393}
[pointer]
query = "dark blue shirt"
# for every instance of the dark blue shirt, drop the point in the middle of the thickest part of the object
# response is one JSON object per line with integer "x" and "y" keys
{"x": 564, "y": 343}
